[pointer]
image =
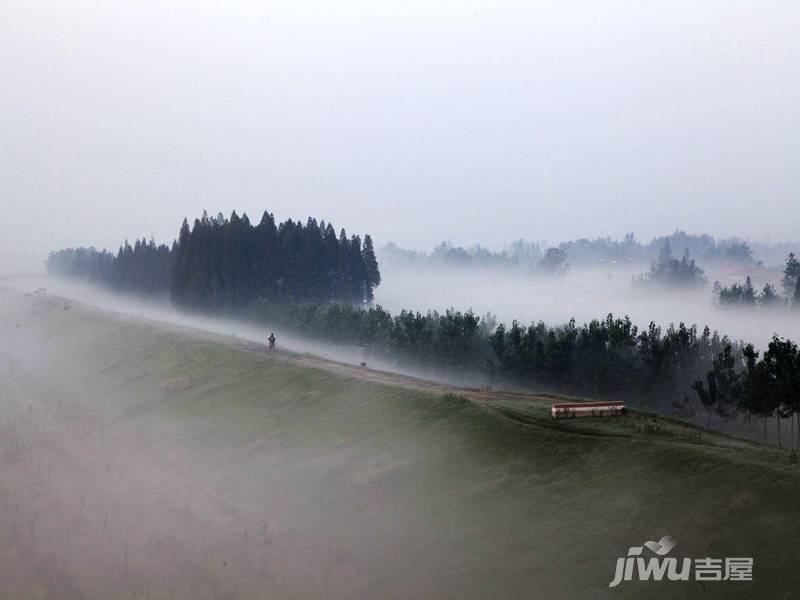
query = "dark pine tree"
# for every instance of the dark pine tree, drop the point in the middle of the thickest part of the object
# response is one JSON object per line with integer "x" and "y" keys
{"x": 372, "y": 275}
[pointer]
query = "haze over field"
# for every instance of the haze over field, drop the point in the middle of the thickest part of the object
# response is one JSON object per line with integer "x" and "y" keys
{"x": 472, "y": 121}
{"x": 583, "y": 294}
{"x": 436, "y": 208}
{"x": 161, "y": 312}
{"x": 138, "y": 460}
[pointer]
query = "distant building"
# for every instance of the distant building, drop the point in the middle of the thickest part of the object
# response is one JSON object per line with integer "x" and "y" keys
{"x": 565, "y": 410}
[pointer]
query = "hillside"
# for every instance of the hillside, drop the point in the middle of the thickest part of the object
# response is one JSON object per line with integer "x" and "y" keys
{"x": 169, "y": 464}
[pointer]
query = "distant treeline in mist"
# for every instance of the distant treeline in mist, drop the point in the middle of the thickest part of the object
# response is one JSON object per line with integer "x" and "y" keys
{"x": 222, "y": 264}
{"x": 667, "y": 271}
{"x": 706, "y": 249}
{"x": 745, "y": 296}
{"x": 144, "y": 268}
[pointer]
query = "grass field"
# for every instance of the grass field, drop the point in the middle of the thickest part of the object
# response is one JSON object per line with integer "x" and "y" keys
{"x": 232, "y": 474}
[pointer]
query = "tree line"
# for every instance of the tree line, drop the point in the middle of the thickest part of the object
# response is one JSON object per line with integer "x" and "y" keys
{"x": 678, "y": 369}
{"x": 144, "y": 268}
{"x": 744, "y": 295}
{"x": 605, "y": 358}
{"x": 584, "y": 252}
{"x": 222, "y": 264}
{"x": 766, "y": 387}
{"x": 667, "y": 271}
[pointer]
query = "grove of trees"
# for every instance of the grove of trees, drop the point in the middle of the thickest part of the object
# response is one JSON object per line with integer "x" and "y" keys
{"x": 222, "y": 264}
{"x": 225, "y": 264}
{"x": 745, "y": 296}
{"x": 143, "y": 268}
{"x": 766, "y": 387}
{"x": 604, "y": 358}
{"x": 554, "y": 262}
{"x": 666, "y": 271}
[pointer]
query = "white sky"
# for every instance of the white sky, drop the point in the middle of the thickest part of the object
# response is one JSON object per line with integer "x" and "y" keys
{"x": 420, "y": 121}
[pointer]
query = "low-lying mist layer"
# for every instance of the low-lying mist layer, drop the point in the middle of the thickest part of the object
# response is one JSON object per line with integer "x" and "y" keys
{"x": 161, "y": 311}
{"x": 140, "y": 462}
{"x": 655, "y": 369}
{"x": 583, "y": 294}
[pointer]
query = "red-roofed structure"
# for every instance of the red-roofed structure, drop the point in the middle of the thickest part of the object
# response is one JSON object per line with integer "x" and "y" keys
{"x": 563, "y": 410}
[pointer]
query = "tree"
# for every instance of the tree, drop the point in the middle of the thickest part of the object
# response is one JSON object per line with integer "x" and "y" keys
{"x": 356, "y": 267}
{"x": 783, "y": 377}
{"x": 790, "y": 274}
{"x": 708, "y": 397}
{"x": 772, "y": 385}
{"x": 745, "y": 296}
{"x": 331, "y": 273}
{"x": 371, "y": 270}
{"x": 716, "y": 289}
{"x": 724, "y": 386}
{"x": 748, "y": 293}
{"x": 264, "y": 257}
{"x": 554, "y": 262}
{"x": 769, "y": 296}
{"x": 796, "y": 299}
{"x": 668, "y": 271}
{"x": 755, "y": 387}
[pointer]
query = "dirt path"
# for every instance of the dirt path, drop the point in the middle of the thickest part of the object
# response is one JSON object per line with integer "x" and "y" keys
{"x": 384, "y": 377}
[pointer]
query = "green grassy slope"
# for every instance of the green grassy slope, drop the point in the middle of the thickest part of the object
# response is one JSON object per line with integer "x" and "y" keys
{"x": 376, "y": 491}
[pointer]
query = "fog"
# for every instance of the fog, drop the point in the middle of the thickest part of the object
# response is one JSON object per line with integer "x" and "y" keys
{"x": 233, "y": 330}
{"x": 89, "y": 508}
{"x": 472, "y": 121}
{"x": 582, "y": 294}
{"x": 142, "y": 456}
{"x": 138, "y": 462}
{"x": 106, "y": 493}
{"x": 506, "y": 295}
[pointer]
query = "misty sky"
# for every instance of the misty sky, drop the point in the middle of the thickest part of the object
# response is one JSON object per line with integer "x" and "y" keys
{"x": 419, "y": 121}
